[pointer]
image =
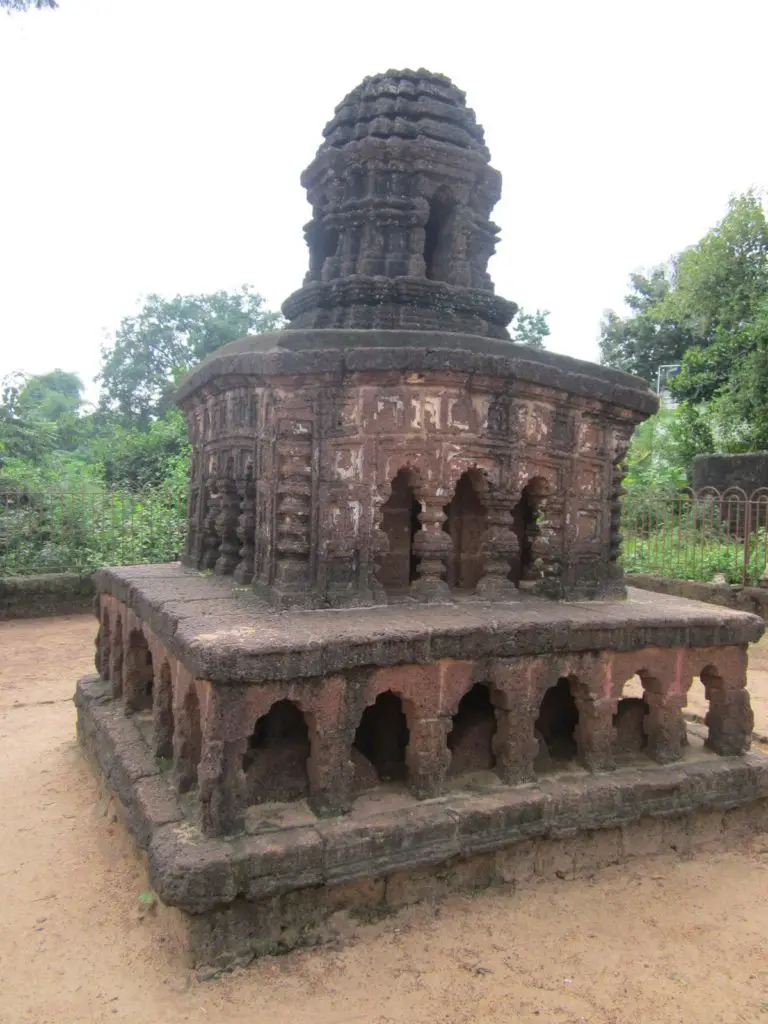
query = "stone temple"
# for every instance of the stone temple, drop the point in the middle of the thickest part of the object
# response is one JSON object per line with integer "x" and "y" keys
{"x": 393, "y": 659}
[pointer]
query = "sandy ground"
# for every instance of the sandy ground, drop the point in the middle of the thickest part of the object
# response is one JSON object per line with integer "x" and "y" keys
{"x": 663, "y": 942}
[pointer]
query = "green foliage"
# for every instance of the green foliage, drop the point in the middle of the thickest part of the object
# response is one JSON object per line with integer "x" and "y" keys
{"x": 721, "y": 287}
{"x": 648, "y": 338}
{"x": 136, "y": 459}
{"x": 685, "y": 554}
{"x": 155, "y": 348}
{"x": 531, "y": 328}
{"x": 63, "y": 518}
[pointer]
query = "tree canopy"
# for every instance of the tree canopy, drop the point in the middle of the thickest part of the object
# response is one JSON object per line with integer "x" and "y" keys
{"x": 707, "y": 311}
{"x": 648, "y": 338}
{"x": 531, "y": 328}
{"x": 154, "y": 349}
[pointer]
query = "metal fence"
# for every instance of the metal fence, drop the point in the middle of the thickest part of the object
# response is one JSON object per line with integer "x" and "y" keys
{"x": 685, "y": 535}
{"x": 50, "y": 530}
{"x": 698, "y": 535}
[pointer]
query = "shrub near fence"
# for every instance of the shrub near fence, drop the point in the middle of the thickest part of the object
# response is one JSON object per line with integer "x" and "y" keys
{"x": 678, "y": 535}
{"x": 52, "y": 530}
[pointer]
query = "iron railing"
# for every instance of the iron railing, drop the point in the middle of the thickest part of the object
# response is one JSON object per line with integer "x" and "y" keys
{"x": 702, "y": 535}
{"x": 52, "y": 529}
{"x": 683, "y": 534}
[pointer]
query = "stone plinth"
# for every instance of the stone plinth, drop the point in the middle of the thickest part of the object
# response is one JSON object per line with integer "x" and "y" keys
{"x": 258, "y": 753}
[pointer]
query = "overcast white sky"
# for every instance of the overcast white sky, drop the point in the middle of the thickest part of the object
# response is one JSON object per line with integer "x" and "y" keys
{"x": 156, "y": 145}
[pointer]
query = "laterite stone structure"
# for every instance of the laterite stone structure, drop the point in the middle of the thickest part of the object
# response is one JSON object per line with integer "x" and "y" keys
{"x": 394, "y": 657}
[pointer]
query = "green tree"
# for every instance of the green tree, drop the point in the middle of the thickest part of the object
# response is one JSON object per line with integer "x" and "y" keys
{"x": 720, "y": 290}
{"x": 48, "y": 396}
{"x": 134, "y": 459}
{"x": 649, "y": 337}
{"x": 155, "y": 348}
{"x": 39, "y": 414}
{"x": 531, "y": 328}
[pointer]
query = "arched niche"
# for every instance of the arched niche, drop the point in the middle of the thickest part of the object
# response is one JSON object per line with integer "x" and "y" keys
{"x": 400, "y": 522}
{"x": 473, "y": 728}
{"x": 439, "y": 235}
{"x": 555, "y": 727}
{"x": 275, "y": 760}
{"x": 526, "y": 518}
{"x": 381, "y": 741}
{"x": 466, "y": 523}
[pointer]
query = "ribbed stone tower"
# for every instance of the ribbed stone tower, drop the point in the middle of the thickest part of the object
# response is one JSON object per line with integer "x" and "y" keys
{"x": 402, "y": 192}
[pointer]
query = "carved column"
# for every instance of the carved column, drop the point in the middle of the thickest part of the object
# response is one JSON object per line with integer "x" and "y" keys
{"x": 664, "y": 725}
{"x": 222, "y": 786}
{"x": 595, "y": 732}
{"x": 730, "y": 721}
{"x": 428, "y": 756}
{"x": 433, "y": 547}
{"x": 246, "y": 529}
{"x": 210, "y": 540}
{"x": 162, "y": 712}
{"x": 515, "y": 744}
{"x": 500, "y": 546}
{"x": 226, "y": 523}
{"x": 291, "y": 586}
{"x": 515, "y": 698}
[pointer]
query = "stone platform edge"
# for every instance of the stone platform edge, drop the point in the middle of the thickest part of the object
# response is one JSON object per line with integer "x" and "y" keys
{"x": 222, "y": 633}
{"x": 200, "y": 875}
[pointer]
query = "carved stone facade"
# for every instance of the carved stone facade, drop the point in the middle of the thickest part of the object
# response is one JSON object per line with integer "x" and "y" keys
{"x": 506, "y": 459}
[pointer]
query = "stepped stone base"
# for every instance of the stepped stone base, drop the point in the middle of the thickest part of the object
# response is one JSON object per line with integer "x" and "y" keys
{"x": 292, "y": 878}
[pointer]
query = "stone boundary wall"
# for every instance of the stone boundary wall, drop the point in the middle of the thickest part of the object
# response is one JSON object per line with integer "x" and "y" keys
{"x": 748, "y": 471}
{"x": 30, "y": 597}
{"x": 743, "y": 599}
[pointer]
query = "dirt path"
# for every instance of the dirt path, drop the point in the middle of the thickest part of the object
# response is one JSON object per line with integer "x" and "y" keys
{"x": 666, "y": 942}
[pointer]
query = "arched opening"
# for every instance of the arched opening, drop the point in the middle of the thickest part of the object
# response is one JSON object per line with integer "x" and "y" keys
{"x": 163, "y": 713}
{"x": 438, "y": 235}
{"x": 400, "y": 521}
{"x": 190, "y": 745}
{"x": 381, "y": 740}
{"x": 629, "y": 720}
{"x": 526, "y": 517}
{"x": 139, "y": 673}
{"x": 470, "y": 740}
{"x": 555, "y": 727}
{"x": 466, "y": 523}
{"x": 275, "y": 761}
{"x": 116, "y": 659}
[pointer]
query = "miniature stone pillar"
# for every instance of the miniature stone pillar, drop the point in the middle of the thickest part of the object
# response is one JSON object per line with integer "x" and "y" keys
{"x": 246, "y": 528}
{"x": 210, "y": 540}
{"x": 291, "y": 586}
{"x": 595, "y": 732}
{"x": 730, "y": 720}
{"x": 222, "y": 786}
{"x": 515, "y": 744}
{"x": 226, "y": 523}
{"x": 330, "y": 773}
{"x": 428, "y": 756}
{"x": 162, "y": 712}
{"x": 515, "y": 698}
{"x": 500, "y": 546}
{"x": 664, "y": 725}
{"x": 432, "y": 546}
